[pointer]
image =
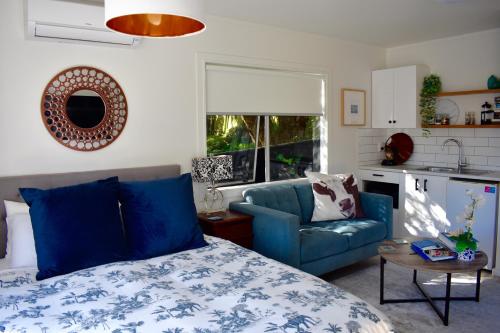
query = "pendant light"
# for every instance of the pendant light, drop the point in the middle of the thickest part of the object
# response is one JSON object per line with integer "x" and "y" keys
{"x": 155, "y": 18}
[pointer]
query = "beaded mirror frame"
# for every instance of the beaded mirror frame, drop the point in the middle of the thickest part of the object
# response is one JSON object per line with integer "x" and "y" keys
{"x": 57, "y": 121}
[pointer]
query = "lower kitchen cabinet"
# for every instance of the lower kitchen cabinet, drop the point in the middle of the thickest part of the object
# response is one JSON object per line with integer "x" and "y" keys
{"x": 424, "y": 205}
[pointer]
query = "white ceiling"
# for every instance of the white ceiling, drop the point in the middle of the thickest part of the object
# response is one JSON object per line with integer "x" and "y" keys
{"x": 381, "y": 22}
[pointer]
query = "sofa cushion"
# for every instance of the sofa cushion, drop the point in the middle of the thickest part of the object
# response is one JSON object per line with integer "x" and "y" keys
{"x": 320, "y": 242}
{"x": 279, "y": 197}
{"x": 359, "y": 232}
{"x": 306, "y": 201}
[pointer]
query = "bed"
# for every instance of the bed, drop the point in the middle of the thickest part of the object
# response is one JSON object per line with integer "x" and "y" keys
{"x": 220, "y": 287}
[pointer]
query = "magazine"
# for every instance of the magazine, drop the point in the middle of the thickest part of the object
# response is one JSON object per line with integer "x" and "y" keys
{"x": 432, "y": 250}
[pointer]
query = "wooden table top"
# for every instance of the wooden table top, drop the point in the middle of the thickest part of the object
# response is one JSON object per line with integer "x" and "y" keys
{"x": 404, "y": 256}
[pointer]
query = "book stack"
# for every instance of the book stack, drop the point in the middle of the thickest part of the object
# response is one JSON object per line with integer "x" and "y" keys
{"x": 432, "y": 250}
{"x": 445, "y": 238}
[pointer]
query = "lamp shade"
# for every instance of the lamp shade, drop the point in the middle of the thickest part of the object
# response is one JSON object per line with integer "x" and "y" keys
{"x": 155, "y": 18}
{"x": 213, "y": 168}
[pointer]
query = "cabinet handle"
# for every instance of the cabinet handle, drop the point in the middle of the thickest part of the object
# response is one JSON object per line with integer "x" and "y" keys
{"x": 393, "y": 121}
{"x": 377, "y": 175}
{"x": 390, "y": 121}
{"x": 416, "y": 184}
{"x": 425, "y": 185}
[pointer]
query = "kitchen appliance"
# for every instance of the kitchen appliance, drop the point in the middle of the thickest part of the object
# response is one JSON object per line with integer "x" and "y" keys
{"x": 486, "y": 215}
{"x": 487, "y": 114}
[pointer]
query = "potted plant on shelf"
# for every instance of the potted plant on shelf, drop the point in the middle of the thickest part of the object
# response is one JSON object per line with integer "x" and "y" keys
{"x": 466, "y": 245}
{"x": 428, "y": 98}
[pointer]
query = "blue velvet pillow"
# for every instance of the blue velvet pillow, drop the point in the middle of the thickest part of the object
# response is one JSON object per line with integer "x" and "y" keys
{"x": 76, "y": 227}
{"x": 160, "y": 217}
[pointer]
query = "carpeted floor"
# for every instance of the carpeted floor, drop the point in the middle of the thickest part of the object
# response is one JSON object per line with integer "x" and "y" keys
{"x": 362, "y": 280}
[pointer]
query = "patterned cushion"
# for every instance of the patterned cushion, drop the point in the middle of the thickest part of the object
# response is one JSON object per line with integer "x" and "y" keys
{"x": 335, "y": 197}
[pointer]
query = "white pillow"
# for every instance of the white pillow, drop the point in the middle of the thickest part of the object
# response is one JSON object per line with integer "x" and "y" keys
{"x": 331, "y": 200}
{"x": 13, "y": 207}
{"x": 21, "y": 243}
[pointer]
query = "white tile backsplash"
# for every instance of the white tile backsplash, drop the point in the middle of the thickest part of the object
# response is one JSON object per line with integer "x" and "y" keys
{"x": 435, "y": 149}
{"x": 421, "y": 140}
{"x": 494, "y": 161}
{"x": 481, "y": 146}
{"x": 494, "y": 142}
{"x": 487, "y": 132}
{"x": 463, "y": 132}
{"x": 488, "y": 151}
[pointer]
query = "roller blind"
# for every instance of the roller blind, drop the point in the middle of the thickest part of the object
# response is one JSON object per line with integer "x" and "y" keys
{"x": 248, "y": 91}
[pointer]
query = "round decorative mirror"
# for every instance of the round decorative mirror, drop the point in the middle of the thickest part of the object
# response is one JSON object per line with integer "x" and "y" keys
{"x": 84, "y": 108}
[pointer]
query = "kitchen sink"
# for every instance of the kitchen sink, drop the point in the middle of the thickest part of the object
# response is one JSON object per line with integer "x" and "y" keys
{"x": 440, "y": 169}
{"x": 454, "y": 170}
{"x": 473, "y": 172}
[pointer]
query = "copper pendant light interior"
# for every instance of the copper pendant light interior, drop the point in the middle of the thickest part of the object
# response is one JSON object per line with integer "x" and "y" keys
{"x": 155, "y": 25}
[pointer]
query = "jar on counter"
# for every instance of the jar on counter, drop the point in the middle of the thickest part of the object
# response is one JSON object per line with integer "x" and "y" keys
{"x": 445, "y": 120}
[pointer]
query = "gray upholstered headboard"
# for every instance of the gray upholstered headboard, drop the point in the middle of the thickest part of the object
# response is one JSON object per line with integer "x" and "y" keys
{"x": 9, "y": 185}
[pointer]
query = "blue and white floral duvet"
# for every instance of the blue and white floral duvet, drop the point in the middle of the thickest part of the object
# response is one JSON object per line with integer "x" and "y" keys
{"x": 219, "y": 288}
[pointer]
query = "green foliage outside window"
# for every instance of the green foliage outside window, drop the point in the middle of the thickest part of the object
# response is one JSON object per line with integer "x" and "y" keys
{"x": 235, "y": 133}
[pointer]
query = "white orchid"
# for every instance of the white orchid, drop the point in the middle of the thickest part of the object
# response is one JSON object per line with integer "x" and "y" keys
{"x": 468, "y": 217}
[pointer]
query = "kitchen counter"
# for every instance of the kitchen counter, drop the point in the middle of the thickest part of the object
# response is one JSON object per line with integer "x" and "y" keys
{"x": 411, "y": 169}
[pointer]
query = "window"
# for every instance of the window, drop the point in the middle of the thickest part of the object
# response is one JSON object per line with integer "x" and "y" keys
{"x": 270, "y": 121}
{"x": 293, "y": 146}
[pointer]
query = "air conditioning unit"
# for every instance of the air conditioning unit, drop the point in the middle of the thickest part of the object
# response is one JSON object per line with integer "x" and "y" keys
{"x": 71, "y": 21}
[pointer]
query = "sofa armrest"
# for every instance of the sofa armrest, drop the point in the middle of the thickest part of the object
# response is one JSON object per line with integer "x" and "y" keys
{"x": 379, "y": 208}
{"x": 276, "y": 233}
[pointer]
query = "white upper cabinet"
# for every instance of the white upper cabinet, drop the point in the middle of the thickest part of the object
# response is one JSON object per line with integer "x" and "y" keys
{"x": 395, "y": 96}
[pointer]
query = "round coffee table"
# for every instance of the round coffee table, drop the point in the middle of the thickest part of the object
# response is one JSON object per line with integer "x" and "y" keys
{"x": 403, "y": 255}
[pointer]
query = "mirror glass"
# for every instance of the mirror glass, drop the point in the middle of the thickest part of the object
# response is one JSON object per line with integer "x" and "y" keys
{"x": 85, "y": 108}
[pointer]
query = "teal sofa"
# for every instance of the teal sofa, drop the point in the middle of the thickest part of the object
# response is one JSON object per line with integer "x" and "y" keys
{"x": 283, "y": 229}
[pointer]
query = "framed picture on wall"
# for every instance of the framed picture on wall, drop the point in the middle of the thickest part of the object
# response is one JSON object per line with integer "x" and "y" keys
{"x": 353, "y": 107}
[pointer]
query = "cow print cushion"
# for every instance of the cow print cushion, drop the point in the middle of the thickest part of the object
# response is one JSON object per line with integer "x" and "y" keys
{"x": 336, "y": 197}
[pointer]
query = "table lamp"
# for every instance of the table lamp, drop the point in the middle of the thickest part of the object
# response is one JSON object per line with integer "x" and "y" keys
{"x": 210, "y": 170}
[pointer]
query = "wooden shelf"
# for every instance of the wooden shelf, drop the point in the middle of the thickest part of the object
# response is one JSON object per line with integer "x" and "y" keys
{"x": 469, "y": 92}
{"x": 463, "y": 126}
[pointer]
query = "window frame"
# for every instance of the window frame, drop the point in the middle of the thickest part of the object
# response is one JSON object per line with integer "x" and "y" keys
{"x": 204, "y": 59}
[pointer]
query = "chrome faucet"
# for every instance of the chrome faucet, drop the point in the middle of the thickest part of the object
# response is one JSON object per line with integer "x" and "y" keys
{"x": 461, "y": 157}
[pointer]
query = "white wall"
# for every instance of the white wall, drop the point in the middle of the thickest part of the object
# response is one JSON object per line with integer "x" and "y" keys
{"x": 463, "y": 62}
{"x": 159, "y": 79}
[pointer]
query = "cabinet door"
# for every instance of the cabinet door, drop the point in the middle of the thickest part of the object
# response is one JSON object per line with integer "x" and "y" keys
{"x": 405, "y": 97}
{"x": 382, "y": 98}
{"x": 425, "y": 205}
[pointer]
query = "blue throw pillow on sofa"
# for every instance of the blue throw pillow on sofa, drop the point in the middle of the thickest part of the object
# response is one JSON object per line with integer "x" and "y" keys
{"x": 76, "y": 227}
{"x": 160, "y": 217}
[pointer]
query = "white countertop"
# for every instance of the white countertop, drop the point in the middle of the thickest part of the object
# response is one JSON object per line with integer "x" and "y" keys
{"x": 407, "y": 168}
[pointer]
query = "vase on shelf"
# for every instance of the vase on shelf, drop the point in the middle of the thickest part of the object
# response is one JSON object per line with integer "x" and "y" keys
{"x": 493, "y": 82}
{"x": 466, "y": 255}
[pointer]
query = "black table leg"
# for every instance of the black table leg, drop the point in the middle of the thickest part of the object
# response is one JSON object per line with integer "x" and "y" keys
{"x": 447, "y": 299}
{"x": 478, "y": 284}
{"x": 444, "y": 316}
{"x": 382, "y": 264}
